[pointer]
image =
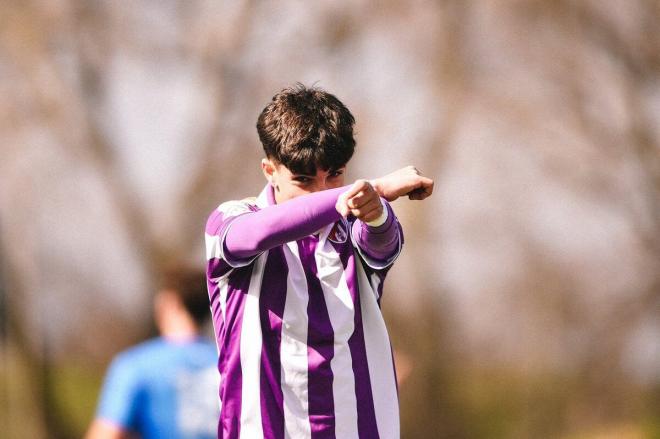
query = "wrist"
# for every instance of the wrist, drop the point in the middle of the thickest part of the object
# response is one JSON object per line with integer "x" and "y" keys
{"x": 382, "y": 218}
{"x": 382, "y": 188}
{"x": 376, "y": 184}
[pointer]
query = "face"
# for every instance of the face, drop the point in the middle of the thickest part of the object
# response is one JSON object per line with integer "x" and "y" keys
{"x": 289, "y": 185}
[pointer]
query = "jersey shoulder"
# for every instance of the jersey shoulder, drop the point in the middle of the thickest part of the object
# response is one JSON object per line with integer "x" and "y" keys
{"x": 236, "y": 207}
{"x": 221, "y": 216}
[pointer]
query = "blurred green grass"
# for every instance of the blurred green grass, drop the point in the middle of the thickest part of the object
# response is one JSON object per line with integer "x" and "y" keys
{"x": 60, "y": 399}
{"x": 76, "y": 389}
{"x": 479, "y": 402}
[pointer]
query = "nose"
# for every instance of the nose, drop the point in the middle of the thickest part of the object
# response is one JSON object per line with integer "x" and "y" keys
{"x": 317, "y": 187}
{"x": 320, "y": 184}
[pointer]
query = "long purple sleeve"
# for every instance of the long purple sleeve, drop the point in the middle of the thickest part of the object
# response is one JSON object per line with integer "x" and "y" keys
{"x": 275, "y": 225}
{"x": 255, "y": 232}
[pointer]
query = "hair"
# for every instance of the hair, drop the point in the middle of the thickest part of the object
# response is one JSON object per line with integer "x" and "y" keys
{"x": 305, "y": 127}
{"x": 189, "y": 285}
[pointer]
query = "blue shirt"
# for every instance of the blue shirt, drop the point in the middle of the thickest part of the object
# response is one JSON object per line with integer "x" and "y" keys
{"x": 164, "y": 389}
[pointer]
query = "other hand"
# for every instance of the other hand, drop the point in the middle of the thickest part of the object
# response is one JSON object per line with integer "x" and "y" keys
{"x": 361, "y": 200}
{"x": 406, "y": 181}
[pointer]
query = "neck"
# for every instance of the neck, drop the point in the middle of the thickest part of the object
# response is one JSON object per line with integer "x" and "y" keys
{"x": 179, "y": 329}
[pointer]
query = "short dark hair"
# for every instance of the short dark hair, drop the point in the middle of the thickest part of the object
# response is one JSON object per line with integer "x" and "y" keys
{"x": 189, "y": 285}
{"x": 305, "y": 127}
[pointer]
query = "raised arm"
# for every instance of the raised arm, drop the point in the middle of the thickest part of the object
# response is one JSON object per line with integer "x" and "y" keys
{"x": 407, "y": 181}
{"x": 378, "y": 234}
{"x": 376, "y": 231}
{"x": 255, "y": 232}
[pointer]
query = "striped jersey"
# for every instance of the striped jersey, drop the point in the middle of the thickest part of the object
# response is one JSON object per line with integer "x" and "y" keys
{"x": 303, "y": 348}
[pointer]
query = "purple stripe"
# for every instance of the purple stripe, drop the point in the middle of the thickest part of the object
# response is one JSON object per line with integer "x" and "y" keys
{"x": 216, "y": 268}
{"x": 367, "y": 426}
{"x": 320, "y": 348}
{"x": 229, "y": 361}
{"x": 271, "y": 311}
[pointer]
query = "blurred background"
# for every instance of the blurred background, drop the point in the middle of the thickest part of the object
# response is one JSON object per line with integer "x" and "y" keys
{"x": 526, "y": 303}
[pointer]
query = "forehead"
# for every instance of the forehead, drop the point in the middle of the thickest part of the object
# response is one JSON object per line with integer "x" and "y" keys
{"x": 319, "y": 172}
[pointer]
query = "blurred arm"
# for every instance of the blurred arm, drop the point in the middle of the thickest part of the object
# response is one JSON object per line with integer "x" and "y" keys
{"x": 118, "y": 403}
{"x": 102, "y": 429}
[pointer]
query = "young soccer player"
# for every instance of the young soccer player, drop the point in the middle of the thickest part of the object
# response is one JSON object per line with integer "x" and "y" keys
{"x": 165, "y": 387}
{"x": 295, "y": 278}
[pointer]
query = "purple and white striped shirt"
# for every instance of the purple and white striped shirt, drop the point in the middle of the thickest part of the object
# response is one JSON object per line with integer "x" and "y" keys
{"x": 303, "y": 348}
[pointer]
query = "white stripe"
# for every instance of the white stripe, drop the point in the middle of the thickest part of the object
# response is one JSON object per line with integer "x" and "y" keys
{"x": 341, "y": 310}
{"x": 379, "y": 359}
{"x": 212, "y": 246}
{"x": 293, "y": 348}
{"x": 251, "y": 343}
{"x": 375, "y": 281}
{"x": 223, "y": 300}
{"x": 217, "y": 346}
{"x": 262, "y": 200}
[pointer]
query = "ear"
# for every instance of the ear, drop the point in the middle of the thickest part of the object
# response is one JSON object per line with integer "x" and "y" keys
{"x": 268, "y": 168}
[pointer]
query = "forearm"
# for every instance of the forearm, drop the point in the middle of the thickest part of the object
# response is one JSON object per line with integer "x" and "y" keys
{"x": 103, "y": 429}
{"x": 255, "y": 232}
{"x": 382, "y": 242}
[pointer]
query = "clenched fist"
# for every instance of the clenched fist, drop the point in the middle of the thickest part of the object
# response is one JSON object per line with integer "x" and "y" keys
{"x": 406, "y": 181}
{"x": 361, "y": 200}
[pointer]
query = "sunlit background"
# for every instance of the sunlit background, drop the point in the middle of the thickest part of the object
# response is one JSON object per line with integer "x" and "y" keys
{"x": 526, "y": 303}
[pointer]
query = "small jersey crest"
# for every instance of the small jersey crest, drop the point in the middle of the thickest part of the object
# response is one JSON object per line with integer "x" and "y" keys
{"x": 339, "y": 233}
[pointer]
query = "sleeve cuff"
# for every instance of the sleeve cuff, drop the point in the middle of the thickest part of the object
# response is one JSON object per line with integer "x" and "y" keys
{"x": 381, "y": 219}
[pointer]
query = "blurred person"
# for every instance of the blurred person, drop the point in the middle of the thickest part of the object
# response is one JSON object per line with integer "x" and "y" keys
{"x": 165, "y": 387}
{"x": 295, "y": 281}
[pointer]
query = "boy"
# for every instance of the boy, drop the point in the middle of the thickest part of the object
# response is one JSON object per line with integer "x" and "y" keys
{"x": 164, "y": 387}
{"x": 295, "y": 278}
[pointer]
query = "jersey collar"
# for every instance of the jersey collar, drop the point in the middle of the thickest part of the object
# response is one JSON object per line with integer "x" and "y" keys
{"x": 266, "y": 197}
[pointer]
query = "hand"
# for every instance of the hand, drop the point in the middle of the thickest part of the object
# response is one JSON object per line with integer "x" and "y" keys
{"x": 361, "y": 200}
{"x": 406, "y": 181}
